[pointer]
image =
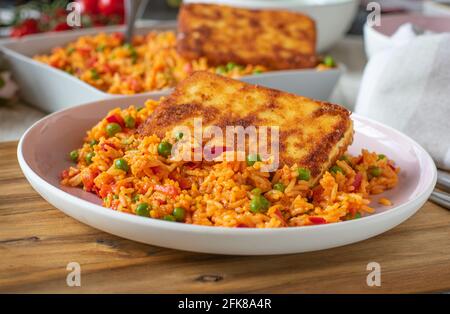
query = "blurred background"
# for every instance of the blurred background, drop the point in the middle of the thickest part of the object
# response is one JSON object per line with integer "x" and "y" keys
{"x": 19, "y": 17}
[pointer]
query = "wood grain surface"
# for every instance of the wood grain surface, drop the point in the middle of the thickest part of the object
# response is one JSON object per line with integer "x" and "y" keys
{"x": 37, "y": 242}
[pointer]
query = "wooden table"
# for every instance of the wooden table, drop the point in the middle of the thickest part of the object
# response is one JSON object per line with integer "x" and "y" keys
{"x": 37, "y": 242}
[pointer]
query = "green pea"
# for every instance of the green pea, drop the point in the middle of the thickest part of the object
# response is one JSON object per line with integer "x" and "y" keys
{"x": 336, "y": 169}
{"x": 89, "y": 157}
{"x": 259, "y": 204}
{"x": 375, "y": 171}
{"x": 231, "y": 66}
{"x": 329, "y": 61}
{"x": 179, "y": 135}
{"x": 256, "y": 191}
{"x": 130, "y": 122}
{"x": 164, "y": 149}
{"x": 93, "y": 142}
{"x": 257, "y": 71}
{"x": 94, "y": 74}
{"x": 221, "y": 70}
{"x": 113, "y": 128}
{"x": 179, "y": 213}
{"x": 121, "y": 164}
{"x": 70, "y": 50}
{"x": 100, "y": 48}
{"x": 252, "y": 158}
{"x": 279, "y": 187}
{"x": 115, "y": 196}
{"x": 74, "y": 155}
{"x": 169, "y": 218}
{"x": 357, "y": 215}
{"x": 381, "y": 156}
{"x": 142, "y": 210}
{"x": 303, "y": 174}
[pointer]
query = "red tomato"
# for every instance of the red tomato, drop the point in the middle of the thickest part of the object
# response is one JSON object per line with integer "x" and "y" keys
{"x": 110, "y": 7}
{"x": 280, "y": 215}
{"x": 358, "y": 180}
{"x": 88, "y": 6}
{"x": 28, "y": 26}
{"x": 169, "y": 189}
{"x": 61, "y": 27}
{"x": 317, "y": 220}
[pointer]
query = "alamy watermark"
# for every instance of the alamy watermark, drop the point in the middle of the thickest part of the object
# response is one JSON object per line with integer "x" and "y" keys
{"x": 374, "y": 17}
{"x": 74, "y": 17}
{"x": 73, "y": 278}
{"x": 229, "y": 143}
{"x": 373, "y": 279}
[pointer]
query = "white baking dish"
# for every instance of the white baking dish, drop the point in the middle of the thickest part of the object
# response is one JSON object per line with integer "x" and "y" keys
{"x": 51, "y": 89}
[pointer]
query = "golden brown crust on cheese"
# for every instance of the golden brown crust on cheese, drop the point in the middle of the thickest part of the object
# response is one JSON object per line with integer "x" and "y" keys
{"x": 313, "y": 134}
{"x": 275, "y": 39}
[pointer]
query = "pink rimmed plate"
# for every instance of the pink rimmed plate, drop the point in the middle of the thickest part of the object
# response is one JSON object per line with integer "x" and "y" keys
{"x": 43, "y": 154}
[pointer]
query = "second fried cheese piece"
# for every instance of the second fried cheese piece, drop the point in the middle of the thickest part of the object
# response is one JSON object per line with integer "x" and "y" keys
{"x": 272, "y": 38}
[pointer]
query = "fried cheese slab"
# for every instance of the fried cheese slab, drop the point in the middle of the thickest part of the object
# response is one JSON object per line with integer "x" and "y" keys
{"x": 312, "y": 134}
{"x": 272, "y": 38}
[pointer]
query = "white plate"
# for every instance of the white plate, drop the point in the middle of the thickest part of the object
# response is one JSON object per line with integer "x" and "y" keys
{"x": 43, "y": 154}
{"x": 51, "y": 89}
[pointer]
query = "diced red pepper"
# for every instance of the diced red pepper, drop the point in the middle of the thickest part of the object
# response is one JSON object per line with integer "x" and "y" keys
{"x": 116, "y": 119}
{"x": 107, "y": 68}
{"x": 119, "y": 36}
{"x": 65, "y": 174}
{"x": 280, "y": 215}
{"x": 242, "y": 225}
{"x": 167, "y": 189}
{"x": 357, "y": 181}
{"x": 317, "y": 220}
{"x": 88, "y": 180}
{"x": 91, "y": 62}
{"x": 156, "y": 170}
{"x": 84, "y": 50}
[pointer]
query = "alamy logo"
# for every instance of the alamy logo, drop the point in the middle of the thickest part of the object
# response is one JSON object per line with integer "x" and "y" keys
{"x": 230, "y": 143}
{"x": 374, "y": 277}
{"x": 73, "y": 278}
{"x": 74, "y": 17}
{"x": 374, "y": 17}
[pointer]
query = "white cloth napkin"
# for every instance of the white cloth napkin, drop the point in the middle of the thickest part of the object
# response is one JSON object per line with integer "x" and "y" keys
{"x": 408, "y": 87}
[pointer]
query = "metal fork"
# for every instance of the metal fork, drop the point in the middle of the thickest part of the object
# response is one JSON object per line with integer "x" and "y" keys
{"x": 442, "y": 198}
{"x": 131, "y": 8}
